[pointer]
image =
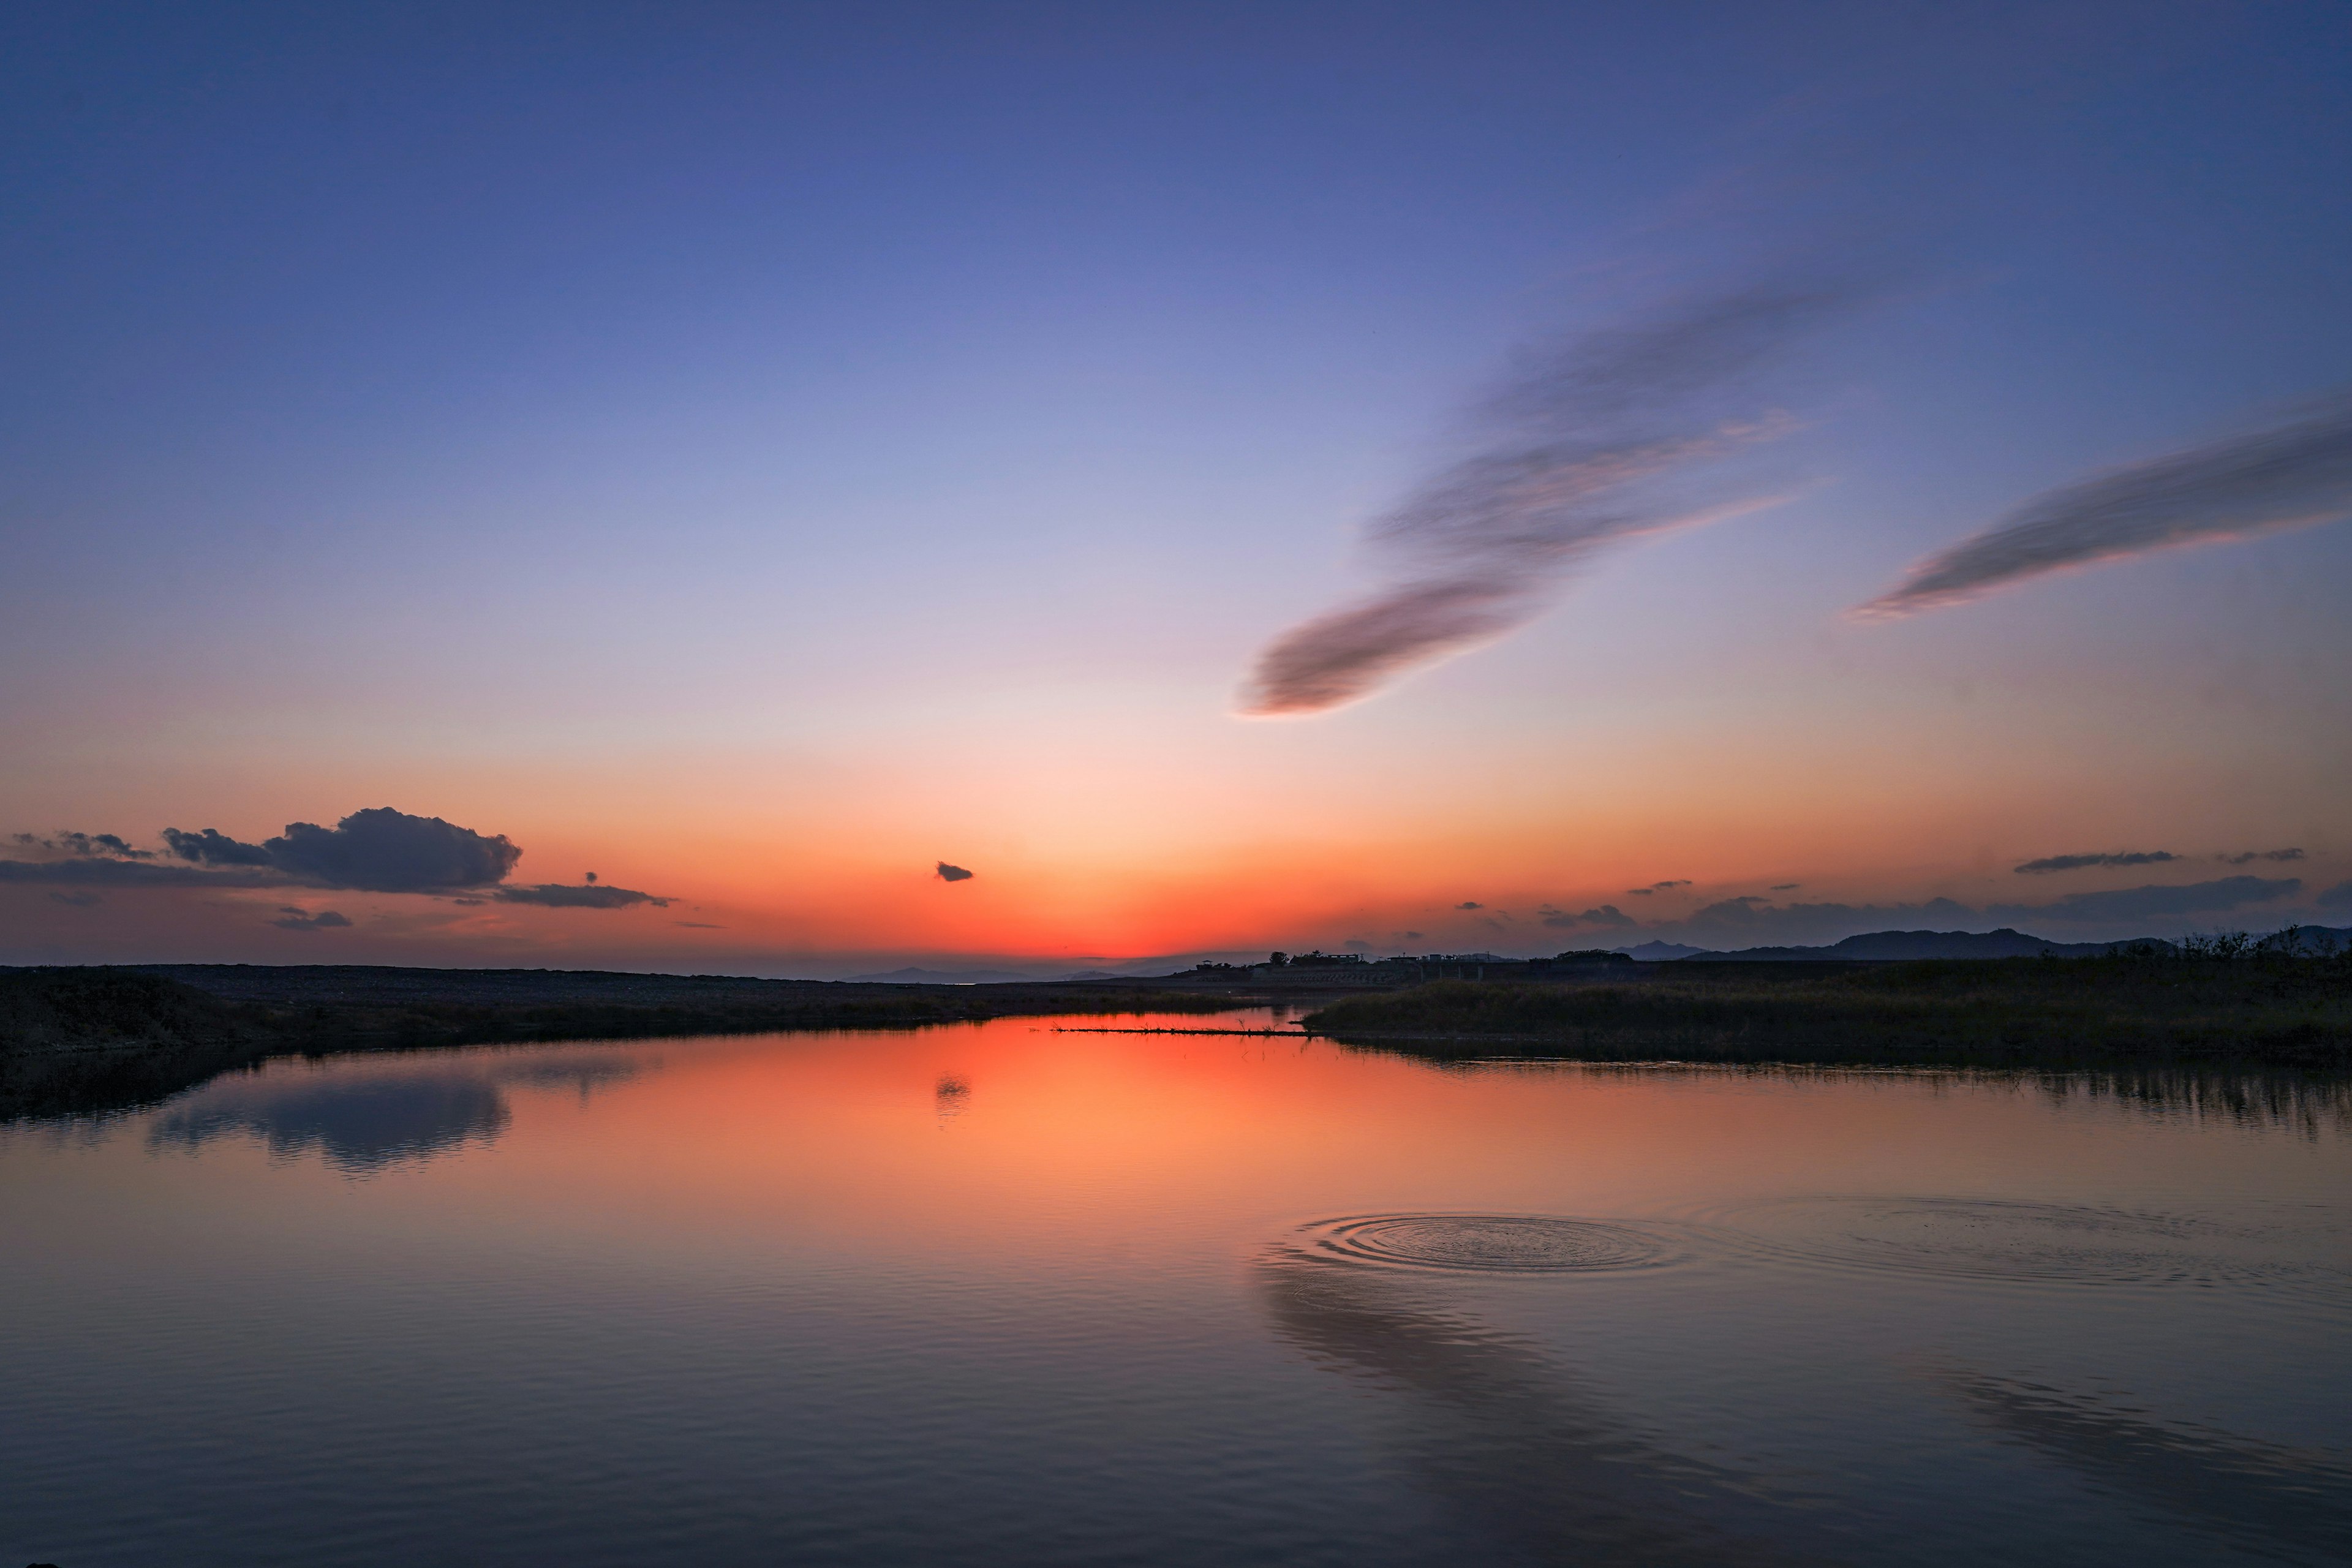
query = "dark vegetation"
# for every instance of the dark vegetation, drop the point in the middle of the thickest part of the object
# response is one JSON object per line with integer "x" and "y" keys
{"x": 2227, "y": 999}
{"x": 89, "y": 1040}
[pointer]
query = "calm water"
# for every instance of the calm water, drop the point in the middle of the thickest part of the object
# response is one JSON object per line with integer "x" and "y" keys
{"x": 1009, "y": 1294}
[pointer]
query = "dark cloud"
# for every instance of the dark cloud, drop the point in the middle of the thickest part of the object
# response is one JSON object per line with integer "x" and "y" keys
{"x": 1608, "y": 916}
{"x": 2248, "y": 857}
{"x": 1786, "y": 887}
{"x": 1671, "y": 882}
{"x": 379, "y": 850}
{"x": 585, "y": 896}
{"x": 292, "y": 919}
{"x": 698, "y": 925}
{"x": 2154, "y": 901}
{"x": 1640, "y": 892}
{"x": 2338, "y": 897}
{"x": 386, "y": 851}
{"x": 1469, "y": 904}
{"x": 947, "y": 873}
{"x": 2285, "y": 476}
{"x": 213, "y": 847}
{"x": 1588, "y": 443}
{"x": 2077, "y": 862}
{"x": 1409, "y": 936}
{"x": 77, "y": 901}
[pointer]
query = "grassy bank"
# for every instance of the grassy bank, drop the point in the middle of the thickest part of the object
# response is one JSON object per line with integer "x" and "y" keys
{"x": 2275, "y": 1009}
{"x": 83, "y": 1040}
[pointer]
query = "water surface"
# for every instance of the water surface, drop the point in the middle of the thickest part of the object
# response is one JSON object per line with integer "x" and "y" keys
{"x": 1016, "y": 1293}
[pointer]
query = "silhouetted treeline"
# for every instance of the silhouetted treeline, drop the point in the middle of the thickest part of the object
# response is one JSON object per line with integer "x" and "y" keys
{"x": 88, "y": 1039}
{"x": 2216, "y": 1000}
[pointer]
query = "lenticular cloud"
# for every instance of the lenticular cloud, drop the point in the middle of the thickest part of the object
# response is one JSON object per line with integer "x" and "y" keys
{"x": 2289, "y": 476}
{"x": 1602, "y": 439}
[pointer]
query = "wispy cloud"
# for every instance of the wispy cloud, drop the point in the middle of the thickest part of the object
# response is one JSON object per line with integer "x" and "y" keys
{"x": 1597, "y": 440}
{"x": 292, "y": 919}
{"x": 89, "y": 845}
{"x": 2285, "y": 476}
{"x": 1608, "y": 917}
{"x": 587, "y": 896}
{"x": 2248, "y": 857}
{"x": 108, "y": 872}
{"x": 2050, "y": 863}
{"x": 2154, "y": 901}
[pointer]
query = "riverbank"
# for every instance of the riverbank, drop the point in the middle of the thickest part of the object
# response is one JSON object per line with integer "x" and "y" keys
{"x": 84, "y": 1040}
{"x": 2274, "y": 1010}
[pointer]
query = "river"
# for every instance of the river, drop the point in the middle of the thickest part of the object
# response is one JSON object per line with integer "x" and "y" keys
{"x": 1023, "y": 1293}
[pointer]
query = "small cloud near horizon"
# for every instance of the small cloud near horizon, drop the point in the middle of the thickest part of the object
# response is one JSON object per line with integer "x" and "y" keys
{"x": 377, "y": 850}
{"x": 1607, "y": 917}
{"x": 947, "y": 873}
{"x": 95, "y": 846}
{"x": 585, "y": 896}
{"x": 2050, "y": 863}
{"x": 293, "y": 919}
{"x": 1469, "y": 904}
{"x": 2156, "y": 900}
{"x": 2248, "y": 857}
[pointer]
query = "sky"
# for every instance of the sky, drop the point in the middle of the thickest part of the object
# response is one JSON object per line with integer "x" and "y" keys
{"x": 1386, "y": 477}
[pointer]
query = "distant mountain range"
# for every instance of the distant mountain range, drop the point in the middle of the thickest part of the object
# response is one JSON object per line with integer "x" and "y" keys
{"x": 1882, "y": 944}
{"x": 1659, "y": 952}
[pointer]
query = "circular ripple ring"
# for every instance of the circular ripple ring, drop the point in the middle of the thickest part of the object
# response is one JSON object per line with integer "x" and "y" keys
{"x": 1491, "y": 1243}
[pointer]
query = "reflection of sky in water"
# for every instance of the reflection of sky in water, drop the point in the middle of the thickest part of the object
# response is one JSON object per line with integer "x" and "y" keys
{"x": 411, "y": 1109}
{"x": 1004, "y": 1294}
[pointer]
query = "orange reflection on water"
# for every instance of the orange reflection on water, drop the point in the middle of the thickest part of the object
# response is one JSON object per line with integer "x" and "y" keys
{"x": 1052, "y": 1141}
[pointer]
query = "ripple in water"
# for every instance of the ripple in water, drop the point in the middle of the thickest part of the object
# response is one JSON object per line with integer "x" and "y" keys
{"x": 2061, "y": 1243}
{"x": 1490, "y": 1244}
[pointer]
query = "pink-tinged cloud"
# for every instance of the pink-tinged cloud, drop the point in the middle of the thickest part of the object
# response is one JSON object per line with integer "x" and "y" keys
{"x": 2291, "y": 476}
{"x": 1592, "y": 444}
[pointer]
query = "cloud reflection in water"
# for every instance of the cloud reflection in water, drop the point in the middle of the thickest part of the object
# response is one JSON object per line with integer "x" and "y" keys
{"x": 363, "y": 1122}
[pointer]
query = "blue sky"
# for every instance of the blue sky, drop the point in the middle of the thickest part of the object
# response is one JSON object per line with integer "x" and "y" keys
{"x": 711, "y": 441}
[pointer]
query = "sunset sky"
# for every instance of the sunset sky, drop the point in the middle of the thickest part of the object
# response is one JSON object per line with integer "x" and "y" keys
{"x": 1434, "y": 478}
